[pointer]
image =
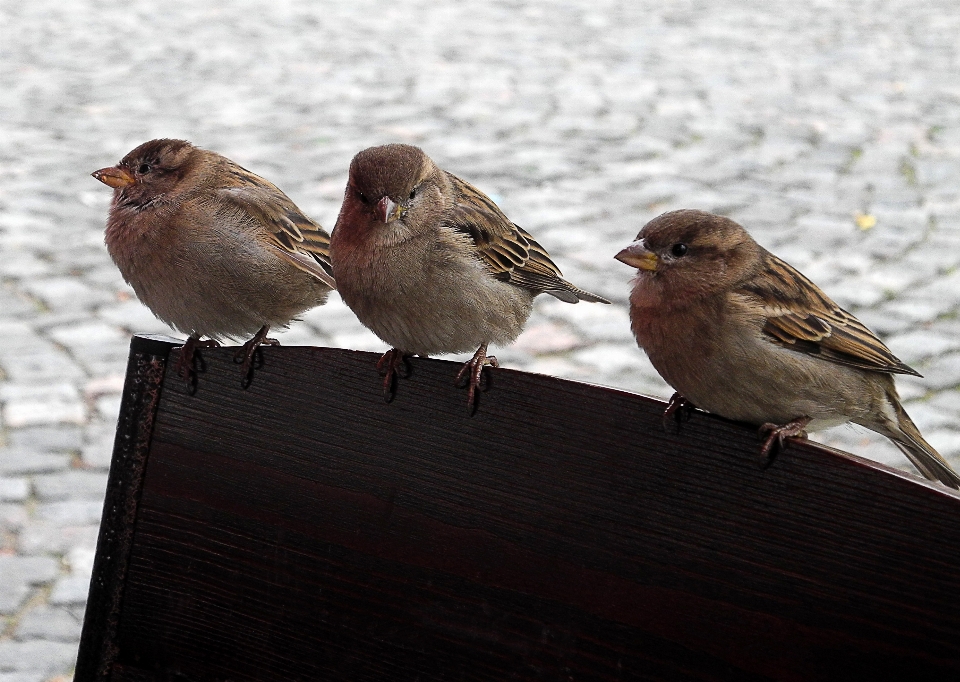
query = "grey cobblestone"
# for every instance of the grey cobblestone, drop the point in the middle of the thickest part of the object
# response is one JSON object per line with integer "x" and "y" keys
{"x": 18, "y": 573}
{"x": 23, "y": 461}
{"x": 70, "y": 484}
{"x": 56, "y": 624}
{"x": 14, "y": 489}
{"x": 583, "y": 120}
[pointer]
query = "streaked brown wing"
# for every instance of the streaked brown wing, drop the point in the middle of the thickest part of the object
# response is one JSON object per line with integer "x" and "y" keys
{"x": 801, "y": 317}
{"x": 298, "y": 238}
{"x": 506, "y": 248}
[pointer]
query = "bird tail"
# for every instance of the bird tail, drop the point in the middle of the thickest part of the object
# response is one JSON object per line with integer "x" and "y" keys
{"x": 931, "y": 464}
{"x": 572, "y": 294}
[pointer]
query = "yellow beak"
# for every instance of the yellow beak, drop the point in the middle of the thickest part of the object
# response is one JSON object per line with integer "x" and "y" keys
{"x": 638, "y": 256}
{"x": 115, "y": 177}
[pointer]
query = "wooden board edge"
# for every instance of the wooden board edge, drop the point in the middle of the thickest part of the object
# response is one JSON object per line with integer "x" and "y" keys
{"x": 146, "y": 366}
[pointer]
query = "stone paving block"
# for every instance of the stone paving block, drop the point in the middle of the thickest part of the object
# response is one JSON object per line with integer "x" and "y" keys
{"x": 885, "y": 323}
{"x": 98, "y": 450}
{"x": 70, "y": 512}
{"x": 66, "y": 293}
{"x": 26, "y": 677}
{"x": 547, "y": 337}
{"x": 18, "y": 461}
{"x": 40, "y": 365}
{"x": 134, "y": 317}
{"x": 38, "y": 657}
{"x": 71, "y": 484}
{"x": 607, "y": 356}
{"x": 45, "y": 622}
{"x": 18, "y": 574}
{"x": 30, "y": 413}
{"x": 914, "y": 312}
{"x": 942, "y": 372}
{"x": 14, "y": 489}
{"x": 920, "y": 344}
{"x": 88, "y": 333}
{"x": 853, "y": 293}
{"x": 13, "y": 517}
{"x": 947, "y": 400}
{"x": 52, "y": 537}
{"x": 108, "y": 407}
{"x": 62, "y": 438}
{"x": 70, "y": 590}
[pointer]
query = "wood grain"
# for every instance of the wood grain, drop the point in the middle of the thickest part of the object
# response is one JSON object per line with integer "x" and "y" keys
{"x": 303, "y": 529}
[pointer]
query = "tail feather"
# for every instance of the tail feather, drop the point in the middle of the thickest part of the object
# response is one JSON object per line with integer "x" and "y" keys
{"x": 923, "y": 456}
{"x": 573, "y": 294}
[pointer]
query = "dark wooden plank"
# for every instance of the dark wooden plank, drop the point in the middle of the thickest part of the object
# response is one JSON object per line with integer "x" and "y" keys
{"x": 304, "y": 529}
{"x": 138, "y": 406}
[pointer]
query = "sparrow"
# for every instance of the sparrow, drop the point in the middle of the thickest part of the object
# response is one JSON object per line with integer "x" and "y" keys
{"x": 212, "y": 249}
{"x": 431, "y": 265}
{"x": 740, "y": 333}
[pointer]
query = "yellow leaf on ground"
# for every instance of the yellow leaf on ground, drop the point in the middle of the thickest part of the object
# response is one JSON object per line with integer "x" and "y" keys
{"x": 865, "y": 221}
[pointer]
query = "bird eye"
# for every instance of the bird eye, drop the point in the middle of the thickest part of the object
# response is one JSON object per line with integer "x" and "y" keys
{"x": 363, "y": 197}
{"x": 144, "y": 168}
{"x": 413, "y": 193}
{"x": 678, "y": 249}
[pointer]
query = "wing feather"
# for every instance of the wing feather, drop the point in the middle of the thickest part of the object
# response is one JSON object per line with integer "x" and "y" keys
{"x": 511, "y": 254}
{"x": 300, "y": 240}
{"x": 801, "y": 317}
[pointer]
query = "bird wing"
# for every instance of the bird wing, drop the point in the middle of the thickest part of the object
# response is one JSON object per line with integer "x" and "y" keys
{"x": 509, "y": 251}
{"x": 801, "y": 317}
{"x": 297, "y": 238}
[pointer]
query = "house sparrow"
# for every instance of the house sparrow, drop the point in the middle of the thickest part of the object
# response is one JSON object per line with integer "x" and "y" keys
{"x": 740, "y": 333}
{"x": 212, "y": 249}
{"x": 431, "y": 265}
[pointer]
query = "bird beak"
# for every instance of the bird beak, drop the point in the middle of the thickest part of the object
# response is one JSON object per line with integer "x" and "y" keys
{"x": 388, "y": 210}
{"x": 637, "y": 255}
{"x": 115, "y": 177}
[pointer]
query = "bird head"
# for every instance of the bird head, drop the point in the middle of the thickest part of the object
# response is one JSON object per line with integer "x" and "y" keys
{"x": 692, "y": 251}
{"x": 151, "y": 170}
{"x": 395, "y": 183}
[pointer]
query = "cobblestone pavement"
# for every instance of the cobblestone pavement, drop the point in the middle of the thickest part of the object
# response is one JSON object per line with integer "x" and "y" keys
{"x": 830, "y": 129}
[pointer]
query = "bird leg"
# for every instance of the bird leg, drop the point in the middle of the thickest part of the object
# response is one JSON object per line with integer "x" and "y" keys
{"x": 680, "y": 409}
{"x": 392, "y": 365}
{"x": 473, "y": 369}
{"x": 775, "y": 437}
{"x": 190, "y": 362}
{"x": 250, "y": 356}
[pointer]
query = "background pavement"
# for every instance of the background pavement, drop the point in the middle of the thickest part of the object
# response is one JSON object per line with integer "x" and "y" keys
{"x": 829, "y": 129}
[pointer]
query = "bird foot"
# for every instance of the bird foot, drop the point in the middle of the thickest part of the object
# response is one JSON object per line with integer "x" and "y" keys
{"x": 473, "y": 369}
{"x": 191, "y": 363}
{"x": 775, "y": 438}
{"x": 679, "y": 410}
{"x": 250, "y": 356}
{"x": 393, "y": 365}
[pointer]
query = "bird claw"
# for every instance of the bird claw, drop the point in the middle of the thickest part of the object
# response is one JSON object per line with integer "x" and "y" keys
{"x": 394, "y": 364}
{"x": 679, "y": 410}
{"x": 191, "y": 362}
{"x": 473, "y": 369}
{"x": 775, "y": 438}
{"x": 251, "y": 357}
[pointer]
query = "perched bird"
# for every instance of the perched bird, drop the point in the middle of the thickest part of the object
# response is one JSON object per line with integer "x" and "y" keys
{"x": 431, "y": 265}
{"x": 212, "y": 249}
{"x": 738, "y": 332}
